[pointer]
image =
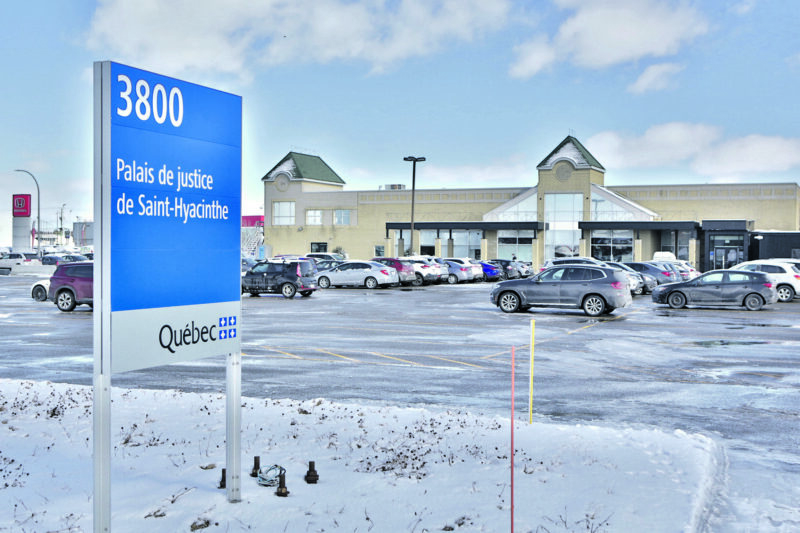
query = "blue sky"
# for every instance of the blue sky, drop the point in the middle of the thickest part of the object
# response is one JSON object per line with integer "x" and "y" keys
{"x": 660, "y": 91}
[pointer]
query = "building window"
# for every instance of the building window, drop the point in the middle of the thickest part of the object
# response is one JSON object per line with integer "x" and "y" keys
{"x": 517, "y": 243}
{"x": 379, "y": 250}
{"x": 282, "y": 213}
{"x": 313, "y": 217}
{"x": 612, "y": 245}
{"x": 562, "y": 213}
{"x": 319, "y": 247}
{"x": 341, "y": 217}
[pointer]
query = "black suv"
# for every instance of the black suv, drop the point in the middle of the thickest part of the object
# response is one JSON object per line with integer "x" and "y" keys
{"x": 285, "y": 277}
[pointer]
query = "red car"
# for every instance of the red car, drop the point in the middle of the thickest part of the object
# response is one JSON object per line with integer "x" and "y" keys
{"x": 72, "y": 284}
{"x": 405, "y": 270}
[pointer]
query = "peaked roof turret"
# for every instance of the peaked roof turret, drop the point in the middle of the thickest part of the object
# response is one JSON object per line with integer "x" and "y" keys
{"x": 572, "y": 149}
{"x": 304, "y": 167}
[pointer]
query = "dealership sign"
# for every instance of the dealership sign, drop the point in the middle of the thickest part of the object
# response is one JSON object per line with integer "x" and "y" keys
{"x": 170, "y": 202}
{"x": 22, "y": 205}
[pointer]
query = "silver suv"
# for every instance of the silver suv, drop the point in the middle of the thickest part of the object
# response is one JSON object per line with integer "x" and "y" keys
{"x": 595, "y": 289}
{"x": 786, "y": 276}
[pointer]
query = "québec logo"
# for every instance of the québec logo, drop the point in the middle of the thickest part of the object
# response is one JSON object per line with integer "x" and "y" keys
{"x": 171, "y": 339}
{"x": 227, "y": 327}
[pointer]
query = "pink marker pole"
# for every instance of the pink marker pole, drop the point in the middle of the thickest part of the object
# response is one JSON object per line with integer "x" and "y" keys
{"x": 512, "y": 439}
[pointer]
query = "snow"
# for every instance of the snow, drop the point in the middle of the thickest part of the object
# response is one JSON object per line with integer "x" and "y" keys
{"x": 381, "y": 468}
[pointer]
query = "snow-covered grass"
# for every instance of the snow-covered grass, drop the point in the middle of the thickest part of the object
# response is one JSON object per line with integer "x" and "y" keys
{"x": 381, "y": 469}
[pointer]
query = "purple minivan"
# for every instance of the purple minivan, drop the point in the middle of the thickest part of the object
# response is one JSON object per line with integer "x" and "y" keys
{"x": 72, "y": 284}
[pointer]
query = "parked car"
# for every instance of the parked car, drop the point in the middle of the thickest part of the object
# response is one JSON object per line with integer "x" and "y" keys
{"x": 369, "y": 274}
{"x": 477, "y": 269}
{"x": 786, "y": 275}
{"x": 327, "y": 264}
{"x": 326, "y": 256}
{"x": 284, "y": 277}
{"x": 593, "y": 288}
{"x": 638, "y": 286}
{"x": 491, "y": 272}
{"x": 424, "y": 270}
{"x": 72, "y": 284}
{"x": 660, "y": 273}
{"x": 752, "y": 290}
{"x": 39, "y": 290}
{"x": 672, "y": 268}
{"x": 508, "y": 268}
{"x": 51, "y": 259}
{"x": 405, "y": 269}
{"x": 572, "y": 261}
{"x": 459, "y": 273}
{"x": 247, "y": 263}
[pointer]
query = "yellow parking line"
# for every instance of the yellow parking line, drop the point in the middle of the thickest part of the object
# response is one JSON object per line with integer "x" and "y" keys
{"x": 397, "y": 359}
{"x": 452, "y": 361}
{"x": 338, "y": 355}
{"x": 281, "y": 351}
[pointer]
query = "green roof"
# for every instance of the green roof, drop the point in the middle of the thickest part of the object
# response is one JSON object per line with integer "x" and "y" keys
{"x": 575, "y": 151}
{"x": 304, "y": 167}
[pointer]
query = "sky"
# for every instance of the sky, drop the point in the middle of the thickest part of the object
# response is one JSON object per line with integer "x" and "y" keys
{"x": 659, "y": 91}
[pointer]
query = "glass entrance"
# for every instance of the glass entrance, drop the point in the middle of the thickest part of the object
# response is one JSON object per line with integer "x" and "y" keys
{"x": 725, "y": 256}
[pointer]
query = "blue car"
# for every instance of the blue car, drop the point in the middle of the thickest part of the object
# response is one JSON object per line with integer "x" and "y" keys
{"x": 491, "y": 272}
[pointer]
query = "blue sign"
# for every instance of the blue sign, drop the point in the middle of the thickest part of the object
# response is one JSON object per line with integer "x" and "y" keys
{"x": 175, "y": 202}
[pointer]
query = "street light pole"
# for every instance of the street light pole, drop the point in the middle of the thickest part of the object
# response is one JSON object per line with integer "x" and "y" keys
{"x": 414, "y": 161}
{"x": 38, "y": 213}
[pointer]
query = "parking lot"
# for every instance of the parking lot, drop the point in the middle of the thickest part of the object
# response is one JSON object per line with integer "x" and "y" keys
{"x": 724, "y": 372}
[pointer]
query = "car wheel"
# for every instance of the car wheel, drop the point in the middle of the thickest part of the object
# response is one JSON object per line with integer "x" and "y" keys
{"x": 305, "y": 294}
{"x": 503, "y": 276}
{"x": 65, "y": 301}
{"x": 753, "y": 302}
{"x": 418, "y": 280}
{"x": 594, "y": 305}
{"x": 288, "y": 290}
{"x": 676, "y": 300}
{"x": 509, "y": 302}
{"x": 39, "y": 294}
{"x": 785, "y": 293}
{"x": 370, "y": 283}
{"x": 452, "y": 279}
{"x": 639, "y": 291}
{"x": 324, "y": 282}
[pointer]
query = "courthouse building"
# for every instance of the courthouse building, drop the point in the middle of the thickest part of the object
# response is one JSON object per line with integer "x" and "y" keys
{"x": 567, "y": 211}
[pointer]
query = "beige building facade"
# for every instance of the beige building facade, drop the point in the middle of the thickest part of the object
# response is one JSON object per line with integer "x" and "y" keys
{"x": 569, "y": 211}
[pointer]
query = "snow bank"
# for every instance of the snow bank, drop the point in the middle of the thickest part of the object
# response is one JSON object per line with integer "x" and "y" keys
{"x": 381, "y": 468}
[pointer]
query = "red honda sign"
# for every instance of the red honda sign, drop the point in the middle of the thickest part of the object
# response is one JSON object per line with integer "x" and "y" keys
{"x": 22, "y": 205}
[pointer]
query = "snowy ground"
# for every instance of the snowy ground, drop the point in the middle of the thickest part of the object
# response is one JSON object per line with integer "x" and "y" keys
{"x": 382, "y": 469}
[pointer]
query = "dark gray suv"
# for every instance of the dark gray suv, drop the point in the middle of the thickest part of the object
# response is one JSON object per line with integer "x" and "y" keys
{"x": 595, "y": 289}
{"x": 285, "y": 277}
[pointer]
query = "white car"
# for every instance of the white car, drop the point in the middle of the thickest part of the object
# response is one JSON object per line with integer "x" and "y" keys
{"x": 369, "y": 274}
{"x": 425, "y": 269}
{"x": 40, "y": 289}
{"x": 786, "y": 276}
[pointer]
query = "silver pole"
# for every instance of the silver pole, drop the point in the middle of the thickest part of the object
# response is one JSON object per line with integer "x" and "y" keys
{"x": 38, "y": 213}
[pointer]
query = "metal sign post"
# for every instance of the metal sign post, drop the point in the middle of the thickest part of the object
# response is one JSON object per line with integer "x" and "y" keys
{"x": 168, "y": 158}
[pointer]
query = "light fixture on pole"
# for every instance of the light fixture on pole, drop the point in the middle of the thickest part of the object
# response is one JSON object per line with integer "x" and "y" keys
{"x": 414, "y": 161}
{"x": 38, "y": 213}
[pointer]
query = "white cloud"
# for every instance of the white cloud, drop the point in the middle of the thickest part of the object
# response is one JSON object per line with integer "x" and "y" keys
{"x": 701, "y": 148}
{"x": 655, "y": 78}
{"x": 661, "y": 145}
{"x": 752, "y": 154}
{"x": 179, "y": 36}
{"x": 744, "y": 7}
{"x": 532, "y": 57}
{"x": 603, "y": 33}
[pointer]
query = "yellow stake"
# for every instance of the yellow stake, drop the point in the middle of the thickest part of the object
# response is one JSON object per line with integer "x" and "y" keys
{"x": 530, "y": 386}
